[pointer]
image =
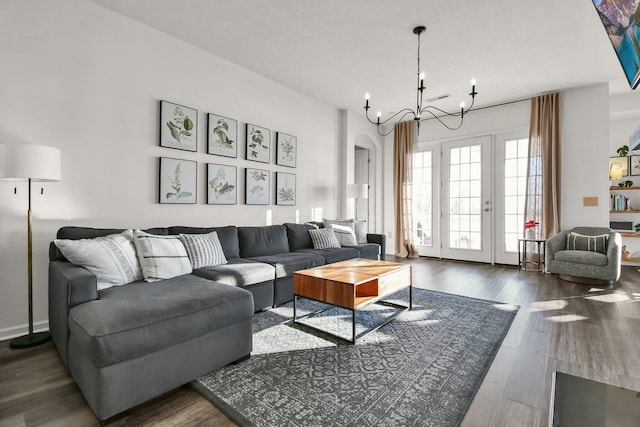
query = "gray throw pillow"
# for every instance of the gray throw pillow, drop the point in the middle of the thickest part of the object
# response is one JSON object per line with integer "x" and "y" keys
{"x": 324, "y": 238}
{"x": 204, "y": 250}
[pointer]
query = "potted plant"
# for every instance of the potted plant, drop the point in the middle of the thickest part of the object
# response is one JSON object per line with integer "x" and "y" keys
{"x": 637, "y": 227}
{"x": 529, "y": 229}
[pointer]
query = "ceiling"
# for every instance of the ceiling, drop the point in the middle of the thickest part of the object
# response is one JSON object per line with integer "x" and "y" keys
{"x": 336, "y": 50}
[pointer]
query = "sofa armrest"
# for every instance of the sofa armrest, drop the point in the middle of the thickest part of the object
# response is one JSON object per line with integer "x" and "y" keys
{"x": 556, "y": 243}
{"x": 380, "y": 239}
{"x": 69, "y": 285}
{"x": 614, "y": 249}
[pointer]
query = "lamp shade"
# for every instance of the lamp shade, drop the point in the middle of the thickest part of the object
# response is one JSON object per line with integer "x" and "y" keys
{"x": 357, "y": 191}
{"x": 25, "y": 161}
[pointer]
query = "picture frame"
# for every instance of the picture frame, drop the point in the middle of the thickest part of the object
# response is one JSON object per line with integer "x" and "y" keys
{"x": 634, "y": 165}
{"x": 178, "y": 181}
{"x": 285, "y": 189}
{"x": 222, "y": 184}
{"x": 286, "y": 149}
{"x": 222, "y": 136}
{"x": 258, "y": 143}
{"x": 257, "y": 186}
{"x": 621, "y": 163}
{"x": 178, "y": 126}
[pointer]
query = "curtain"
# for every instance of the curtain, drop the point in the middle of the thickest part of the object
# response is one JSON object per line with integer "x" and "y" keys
{"x": 542, "y": 198}
{"x": 403, "y": 137}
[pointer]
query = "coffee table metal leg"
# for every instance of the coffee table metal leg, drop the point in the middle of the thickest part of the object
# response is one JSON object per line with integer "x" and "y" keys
{"x": 295, "y": 297}
{"x": 411, "y": 297}
{"x": 353, "y": 324}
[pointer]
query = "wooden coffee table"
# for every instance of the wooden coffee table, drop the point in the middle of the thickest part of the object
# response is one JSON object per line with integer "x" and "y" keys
{"x": 353, "y": 284}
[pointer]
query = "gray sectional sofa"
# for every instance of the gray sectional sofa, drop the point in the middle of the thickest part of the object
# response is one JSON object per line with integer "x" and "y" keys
{"x": 126, "y": 344}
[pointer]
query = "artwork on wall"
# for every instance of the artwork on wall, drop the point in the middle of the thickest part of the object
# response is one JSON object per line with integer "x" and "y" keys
{"x": 178, "y": 126}
{"x": 285, "y": 189}
{"x": 286, "y": 149}
{"x": 222, "y": 136}
{"x": 634, "y": 168}
{"x": 258, "y": 143}
{"x": 619, "y": 164}
{"x": 178, "y": 180}
{"x": 222, "y": 185}
{"x": 257, "y": 187}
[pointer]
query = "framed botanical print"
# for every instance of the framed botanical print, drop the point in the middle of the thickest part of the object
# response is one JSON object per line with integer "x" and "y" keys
{"x": 634, "y": 165}
{"x": 178, "y": 126}
{"x": 618, "y": 165}
{"x": 222, "y": 184}
{"x": 286, "y": 149}
{"x": 258, "y": 143}
{"x": 222, "y": 136}
{"x": 285, "y": 189}
{"x": 178, "y": 181}
{"x": 256, "y": 186}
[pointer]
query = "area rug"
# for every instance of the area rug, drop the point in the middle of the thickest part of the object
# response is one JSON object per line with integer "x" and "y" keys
{"x": 421, "y": 369}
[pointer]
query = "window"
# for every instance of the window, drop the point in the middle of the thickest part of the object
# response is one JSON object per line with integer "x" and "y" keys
{"x": 465, "y": 188}
{"x": 423, "y": 198}
{"x": 516, "y": 156}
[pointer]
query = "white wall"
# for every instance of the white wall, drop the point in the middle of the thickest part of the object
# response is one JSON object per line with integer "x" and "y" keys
{"x": 584, "y": 156}
{"x": 88, "y": 81}
{"x": 584, "y": 151}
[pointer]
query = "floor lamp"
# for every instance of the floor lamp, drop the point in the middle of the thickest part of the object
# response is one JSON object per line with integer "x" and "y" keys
{"x": 357, "y": 192}
{"x": 33, "y": 163}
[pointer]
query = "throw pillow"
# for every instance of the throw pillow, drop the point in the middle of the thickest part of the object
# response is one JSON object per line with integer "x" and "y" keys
{"x": 344, "y": 234}
{"x": 582, "y": 242}
{"x": 112, "y": 259}
{"x": 161, "y": 257}
{"x": 360, "y": 228}
{"x": 324, "y": 238}
{"x": 204, "y": 250}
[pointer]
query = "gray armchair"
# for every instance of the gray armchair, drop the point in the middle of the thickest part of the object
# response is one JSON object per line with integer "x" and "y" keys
{"x": 582, "y": 265}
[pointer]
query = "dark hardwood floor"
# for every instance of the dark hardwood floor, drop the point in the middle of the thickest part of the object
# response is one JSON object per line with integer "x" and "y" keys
{"x": 589, "y": 331}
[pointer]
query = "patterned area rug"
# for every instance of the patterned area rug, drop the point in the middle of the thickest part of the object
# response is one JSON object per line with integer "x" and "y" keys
{"x": 421, "y": 369}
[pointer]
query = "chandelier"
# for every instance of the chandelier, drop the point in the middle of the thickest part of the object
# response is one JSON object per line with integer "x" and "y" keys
{"x": 423, "y": 112}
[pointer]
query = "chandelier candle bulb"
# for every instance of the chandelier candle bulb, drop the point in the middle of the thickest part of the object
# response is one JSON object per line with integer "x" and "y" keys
{"x": 379, "y": 115}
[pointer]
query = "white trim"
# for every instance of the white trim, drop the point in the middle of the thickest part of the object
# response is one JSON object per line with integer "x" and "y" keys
{"x": 18, "y": 331}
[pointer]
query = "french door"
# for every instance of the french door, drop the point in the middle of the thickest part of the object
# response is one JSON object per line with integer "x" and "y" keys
{"x": 466, "y": 200}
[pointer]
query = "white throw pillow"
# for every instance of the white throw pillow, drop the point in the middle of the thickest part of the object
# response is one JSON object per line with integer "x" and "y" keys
{"x": 324, "y": 238}
{"x": 360, "y": 228}
{"x": 344, "y": 234}
{"x": 111, "y": 258}
{"x": 204, "y": 250}
{"x": 161, "y": 257}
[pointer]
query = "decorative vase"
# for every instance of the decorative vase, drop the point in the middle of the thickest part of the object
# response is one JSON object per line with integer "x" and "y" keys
{"x": 529, "y": 234}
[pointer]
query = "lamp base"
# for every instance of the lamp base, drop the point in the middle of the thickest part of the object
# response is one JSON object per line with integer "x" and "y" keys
{"x": 28, "y": 341}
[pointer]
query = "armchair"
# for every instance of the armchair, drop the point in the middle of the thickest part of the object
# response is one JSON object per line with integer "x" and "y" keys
{"x": 584, "y": 263}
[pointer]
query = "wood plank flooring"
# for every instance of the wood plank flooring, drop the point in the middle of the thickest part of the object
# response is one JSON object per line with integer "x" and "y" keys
{"x": 589, "y": 331}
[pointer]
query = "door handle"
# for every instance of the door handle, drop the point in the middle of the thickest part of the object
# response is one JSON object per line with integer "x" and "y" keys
{"x": 486, "y": 209}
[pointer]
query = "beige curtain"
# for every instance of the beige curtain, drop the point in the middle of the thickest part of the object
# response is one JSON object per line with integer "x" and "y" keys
{"x": 403, "y": 137}
{"x": 542, "y": 199}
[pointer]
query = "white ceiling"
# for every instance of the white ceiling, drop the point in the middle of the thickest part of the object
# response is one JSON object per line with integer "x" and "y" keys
{"x": 336, "y": 50}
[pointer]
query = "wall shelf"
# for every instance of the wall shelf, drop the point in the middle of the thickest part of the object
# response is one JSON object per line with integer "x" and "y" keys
{"x": 635, "y": 187}
{"x": 627, "y": 211}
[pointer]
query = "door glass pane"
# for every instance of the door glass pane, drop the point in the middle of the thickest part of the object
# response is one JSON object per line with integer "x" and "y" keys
{"x": 422, "y": 199}
{"x": 515, "y": 181}
{"x": 465, "y": 169}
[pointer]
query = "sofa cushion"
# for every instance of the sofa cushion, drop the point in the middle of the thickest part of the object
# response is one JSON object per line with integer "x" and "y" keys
{"x": 581, "y": 257}
{"x": 332, "y": 255}
{"x": 298, "y": 236}
{"x": 111, "y": 258}
{"x": 204, "y": 250}
{"x": 161, "y": 257}
{"x": 137, "y": 319}
{"x": 583, "y": 242}
{"x": 324, "y": 238}
{"x": 261, "y": 241}
{"x": 288, "y": 263}
{"x": 228, "y": 236}
{"x": 239, "y": 272}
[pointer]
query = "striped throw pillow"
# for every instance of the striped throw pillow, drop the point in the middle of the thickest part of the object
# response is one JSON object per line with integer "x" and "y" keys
{"x": 582, "y": 242}
{"x": 204, "y": 250}
{"x": 112, "y": 259}
{"x": 344, "y": 234}
{"x": 161, "y": 257}
{"x": 324, "y": 238}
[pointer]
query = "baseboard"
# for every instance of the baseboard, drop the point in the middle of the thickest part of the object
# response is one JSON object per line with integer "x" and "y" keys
{"x": 18, "y": 331}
